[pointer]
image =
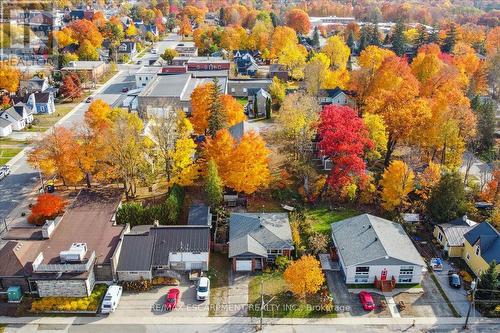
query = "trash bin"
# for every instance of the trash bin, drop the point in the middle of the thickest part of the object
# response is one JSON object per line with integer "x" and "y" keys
{"x": 15, "y": 294}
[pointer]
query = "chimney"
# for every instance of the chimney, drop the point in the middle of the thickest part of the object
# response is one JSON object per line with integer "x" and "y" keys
{"x": 464, "y": 218}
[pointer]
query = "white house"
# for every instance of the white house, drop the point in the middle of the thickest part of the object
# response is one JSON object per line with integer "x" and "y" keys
{"x": 372, "y": 249}
{"x": 18, "y": 115}
{"x": 163, "y": 251}
{"x": 335, "y": 96}
{"x": 144, "y": 75}
{"x": 5, "y": 128}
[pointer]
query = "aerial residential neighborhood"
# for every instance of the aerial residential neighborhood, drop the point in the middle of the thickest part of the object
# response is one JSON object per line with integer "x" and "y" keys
{"x": 245, "y": 166}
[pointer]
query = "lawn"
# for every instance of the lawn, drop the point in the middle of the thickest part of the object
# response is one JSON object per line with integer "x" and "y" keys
{"x": 45, "y": 121}
{"x": 242, "y": 101}
{"x": 322, "y": 217}
{"x": 7, "y": 153}
{"x": 280, "y": 303}
{"x": 219, "y": 280}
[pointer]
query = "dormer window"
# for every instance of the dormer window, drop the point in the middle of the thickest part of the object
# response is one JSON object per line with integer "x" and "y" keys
{"x": 477, "y": 250}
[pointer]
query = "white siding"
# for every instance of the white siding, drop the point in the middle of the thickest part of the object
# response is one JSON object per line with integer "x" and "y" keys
{"x": 189, "y": 259}
{"x": 377, "y": 271}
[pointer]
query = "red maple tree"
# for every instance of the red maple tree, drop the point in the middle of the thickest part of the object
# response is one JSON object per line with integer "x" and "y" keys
{"x": 47, "y": 207}
{"x": 344, "y": 139}
{"x": 71, "y": 87}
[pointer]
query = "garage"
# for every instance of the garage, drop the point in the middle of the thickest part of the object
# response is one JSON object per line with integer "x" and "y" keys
{"x": 243, "y": 265}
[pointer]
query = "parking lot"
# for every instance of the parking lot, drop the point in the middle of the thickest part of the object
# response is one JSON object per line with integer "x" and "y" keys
{"x": 145, "y": 304}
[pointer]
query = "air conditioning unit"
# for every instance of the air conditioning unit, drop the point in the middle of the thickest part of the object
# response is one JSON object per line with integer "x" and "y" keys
{"x": 76, "y": 253}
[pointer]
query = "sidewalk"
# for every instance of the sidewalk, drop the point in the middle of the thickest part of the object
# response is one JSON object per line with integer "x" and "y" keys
{"x": 158, "y": 320}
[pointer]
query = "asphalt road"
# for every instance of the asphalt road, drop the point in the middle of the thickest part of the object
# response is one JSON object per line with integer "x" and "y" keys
{"x": 15, "y": 187}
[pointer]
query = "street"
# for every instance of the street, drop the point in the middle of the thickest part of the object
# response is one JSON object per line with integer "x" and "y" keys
{"x": 15, "y": 188}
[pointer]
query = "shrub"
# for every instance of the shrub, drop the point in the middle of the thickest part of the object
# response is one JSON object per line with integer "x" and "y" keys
{"x": 47, "y": 207}
{"x": 282, "y": 262}
{"x": 73, "y": 304}
{"x": 137, "y": 286}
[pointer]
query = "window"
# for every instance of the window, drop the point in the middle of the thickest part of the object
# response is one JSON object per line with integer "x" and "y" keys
{"x": 477, "y": 250}
{"x": 440, "y": 237}
{"x": 404, "y": 279}
{"x": 140, "y": 78}
{"x": 361, "y": 274}
{"x": 406, "y": 270}
{"x": 274, "y": 251}
{"x": 467, "y": 256}
{"x": 233, "y": 90}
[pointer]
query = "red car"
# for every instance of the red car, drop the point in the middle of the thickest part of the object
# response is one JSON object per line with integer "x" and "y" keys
{"x": 366, "y": 300}
{"x": 172, "y": 299}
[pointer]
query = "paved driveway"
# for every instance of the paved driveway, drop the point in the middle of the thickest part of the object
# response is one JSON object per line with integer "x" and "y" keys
{"x": 232, "y": 300}
{"x": 347, "y": 304}
{"x": 458, "y": 297}
{"x": 151, "y": 303}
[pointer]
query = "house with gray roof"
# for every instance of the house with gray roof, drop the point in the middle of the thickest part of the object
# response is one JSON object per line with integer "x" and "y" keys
{"x": 451, "y": 235}
{"x": 199, "y": 214}
{"x": 5, "y": 128}
{"x": 150, "y": 251}
{"x": 18, "y": 115}
{"x": 256, "y": 239}
{"x": 482, "y": 248}
{"x": 370, "y": 248}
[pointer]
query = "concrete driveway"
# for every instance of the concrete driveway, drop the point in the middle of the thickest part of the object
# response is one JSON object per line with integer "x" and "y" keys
{"x": 457, "y": 297}
{"x": 232, "y": 301}
{"x": 347, "y": 304}
{"x": 151, "y": 303}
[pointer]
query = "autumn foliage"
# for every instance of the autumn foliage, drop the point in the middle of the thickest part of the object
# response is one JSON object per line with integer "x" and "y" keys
{"x": 344, "y": 139}
{"x": 47, "y": 207}
{"x": 397, "y": 182}
{"x": 298, "y": 20}
{"x": 304, "y": 276}
{"x": 9, "y": 77}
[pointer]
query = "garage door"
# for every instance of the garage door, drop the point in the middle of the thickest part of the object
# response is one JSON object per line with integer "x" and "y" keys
{"x": 243, "y": 265}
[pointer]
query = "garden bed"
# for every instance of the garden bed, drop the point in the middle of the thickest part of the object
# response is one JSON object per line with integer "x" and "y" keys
{"x": 70, "y": 305}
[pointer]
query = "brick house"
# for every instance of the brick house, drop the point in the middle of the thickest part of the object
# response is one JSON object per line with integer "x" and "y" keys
{"x": 256, "y": 239}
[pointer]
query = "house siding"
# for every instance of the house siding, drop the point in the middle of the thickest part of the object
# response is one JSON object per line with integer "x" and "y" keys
{"x": 476, "y": 263}
{"x": 66, "y": 288}
{"x": 376, "y": 271}
{"x": 187, "y": 261}
{"x": 453, "y": 251}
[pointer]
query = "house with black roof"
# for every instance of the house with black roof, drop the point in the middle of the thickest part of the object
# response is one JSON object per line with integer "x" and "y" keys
{"x": 334, "y": 96}
{"x": 163, "y": 251}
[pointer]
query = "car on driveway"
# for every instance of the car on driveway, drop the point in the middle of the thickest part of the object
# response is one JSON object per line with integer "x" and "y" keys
{"x": 454, "y": 279}
{"x": 203, "y": 289}
{"x": 89, "y": 99}
{"x": 4, "y": 171}
{"x": 172, "y": 299}
{"x": 366, "y": 301}
{"x": 124, "y": 89}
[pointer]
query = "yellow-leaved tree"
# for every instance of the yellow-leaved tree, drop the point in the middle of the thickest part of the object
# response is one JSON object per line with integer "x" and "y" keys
{"x": 304, "y": 276}
{"x": 396, "y": 182}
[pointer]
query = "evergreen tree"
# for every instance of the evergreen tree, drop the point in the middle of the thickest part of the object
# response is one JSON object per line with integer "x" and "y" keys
{"x": 255, "y": 107}
{"x": 213, "y": 185}
{"x": 487, "y": 289}
{"x": 217, "y": 119}
{"x": 274, "y": 19}
{"x": 364, "y": 39}
{"x": 447, "y": 200}
{"x": 485, "y": 112}
{"x": 315, "y": 37}
{"x": 221, "y": 17}
{"x": 421, "y": 38}
{"x": 350, "y": 41}
{"x": 398, "y": 39}
{"x": 450, "y": 40}
{"x": 375, "y": 35}
{"x": 268, "y": 108}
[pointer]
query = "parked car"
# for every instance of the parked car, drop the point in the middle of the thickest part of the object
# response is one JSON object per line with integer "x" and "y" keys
{"x": 124, "y": 89}
{"x": 5, "y": 169}
{"x": 111, "y": 299}
{"x": 454, "y": 279}
{"x": 2, "y": 174}
{"x": 366, "y": 301}
{"x": 89, "y": 99}
{"x": 138, "y": 62}
{"x": 172, "y": 299}
{"x": 203, "y": 289}
{"x": 437, "y": 264}
{"x": 154, "y": 50}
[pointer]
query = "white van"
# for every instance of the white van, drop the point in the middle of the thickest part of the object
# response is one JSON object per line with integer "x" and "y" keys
{"x": 154, "y": 50}
{"x": 111, "y": 299}
{"x": 203, "y": 289}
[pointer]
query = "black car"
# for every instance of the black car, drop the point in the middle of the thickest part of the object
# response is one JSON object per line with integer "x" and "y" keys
{"x": 454, "y": 280}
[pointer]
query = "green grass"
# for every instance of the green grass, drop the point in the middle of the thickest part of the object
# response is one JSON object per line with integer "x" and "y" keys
{"x": 7, "y": 153}
{"x": 45, "y": 121}
{"x": 242, "y": 101}
{"x": 12, "y": 142}
{"x": 142, "y": 53}
{"x": 279, "y": 303}
{"x": 322, "y": 217}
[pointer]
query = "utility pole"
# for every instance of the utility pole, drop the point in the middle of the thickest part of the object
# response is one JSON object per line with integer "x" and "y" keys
{"x": 473, "y": 290}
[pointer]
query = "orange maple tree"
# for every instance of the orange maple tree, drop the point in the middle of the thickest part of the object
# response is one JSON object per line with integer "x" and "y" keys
{"x": 304, "y": 276}
{"x": 298, "y": 20}
{"x": 47, "y": 207}
{"x": 97, "y": 116}
{"x": 200, "y": 104}
{"x": 9, "y": 77}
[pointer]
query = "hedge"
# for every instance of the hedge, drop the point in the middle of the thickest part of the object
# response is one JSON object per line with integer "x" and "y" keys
{"x": 68, "y": 304}
{"x": 165, "y": 213}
